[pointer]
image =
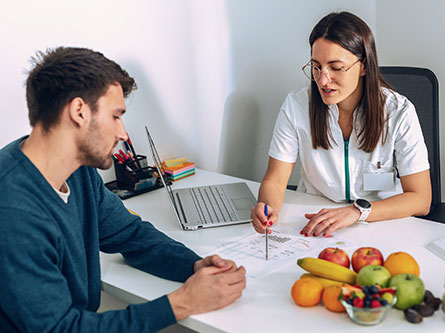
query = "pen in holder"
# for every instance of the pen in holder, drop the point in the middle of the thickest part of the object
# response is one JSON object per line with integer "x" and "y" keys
{"x": 134, "y": 174}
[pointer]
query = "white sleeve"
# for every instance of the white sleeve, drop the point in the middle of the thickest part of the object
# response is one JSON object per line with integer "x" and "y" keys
{"x": 410, "y": 150}
{"x": 284, "y": 144}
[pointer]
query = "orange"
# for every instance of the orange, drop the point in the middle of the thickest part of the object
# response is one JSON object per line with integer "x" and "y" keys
{"x": 307, "y": 292}
{"x": 330, "y": 298}
{"x": 401, "y": 262}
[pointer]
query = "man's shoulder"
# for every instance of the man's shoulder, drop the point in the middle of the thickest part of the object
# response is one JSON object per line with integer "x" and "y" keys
{"x": 9, "y": 158}
{"x": 24, "y": 189}
{"x": 13, "y": 176}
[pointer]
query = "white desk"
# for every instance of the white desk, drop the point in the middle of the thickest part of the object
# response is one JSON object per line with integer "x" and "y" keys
{"x": 266, "y": 305}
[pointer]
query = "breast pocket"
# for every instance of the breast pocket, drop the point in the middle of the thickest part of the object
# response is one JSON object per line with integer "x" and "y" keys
{"x": 379, "y": 176}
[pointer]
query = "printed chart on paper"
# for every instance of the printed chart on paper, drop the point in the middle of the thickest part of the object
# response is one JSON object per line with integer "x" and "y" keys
{"x": 283, "y": 248}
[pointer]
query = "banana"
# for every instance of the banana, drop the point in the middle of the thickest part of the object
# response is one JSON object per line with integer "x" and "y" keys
{"x": 325, "y": 282}
{"x": 327, "y": 269}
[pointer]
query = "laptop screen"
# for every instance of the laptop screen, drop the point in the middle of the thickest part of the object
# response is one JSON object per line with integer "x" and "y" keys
{"x": 158, "y": 163}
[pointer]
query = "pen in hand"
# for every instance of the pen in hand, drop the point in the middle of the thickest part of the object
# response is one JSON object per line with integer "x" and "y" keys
{"x": 267, "y": 232}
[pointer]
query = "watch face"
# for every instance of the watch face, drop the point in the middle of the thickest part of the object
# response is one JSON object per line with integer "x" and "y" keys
{"x": 363, "y": 203}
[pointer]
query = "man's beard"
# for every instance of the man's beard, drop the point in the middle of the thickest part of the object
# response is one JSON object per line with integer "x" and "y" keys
{"x": 90, "y": 154}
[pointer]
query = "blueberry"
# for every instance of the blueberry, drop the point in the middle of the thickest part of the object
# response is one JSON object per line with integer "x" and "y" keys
{"x": 367, "y": 303}
{"x": 365, "y": 290}
{"x": 349, "y": 301}
{"x": 384, "y": 302}
{"x": 373, "y": 289}
{"x": 368, "y": 297}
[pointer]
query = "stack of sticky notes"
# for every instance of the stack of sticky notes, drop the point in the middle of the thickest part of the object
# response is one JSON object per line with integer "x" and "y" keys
{"x": 178, "y": 168}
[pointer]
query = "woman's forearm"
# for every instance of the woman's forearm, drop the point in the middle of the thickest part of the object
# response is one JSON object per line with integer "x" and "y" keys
{"x": 272, "y": 194}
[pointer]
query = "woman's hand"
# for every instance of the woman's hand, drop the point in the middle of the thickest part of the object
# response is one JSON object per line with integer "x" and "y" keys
{"x": 327, "y": 220}
{"x": 260, "y": 221}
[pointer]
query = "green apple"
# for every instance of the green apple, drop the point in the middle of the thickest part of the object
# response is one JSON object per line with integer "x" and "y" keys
{"x": 410, "y": 290}
{"x": 373, "y": 274}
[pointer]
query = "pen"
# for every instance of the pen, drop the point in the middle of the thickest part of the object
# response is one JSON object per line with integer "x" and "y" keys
{"x": 127, "y": 147}
{"x": 133, "y": 151}
{"x": 131, "y": 157}
{"x": 119, "y": 157}
{"x": 124, "y": 156}
{"x": 267, "y": 233}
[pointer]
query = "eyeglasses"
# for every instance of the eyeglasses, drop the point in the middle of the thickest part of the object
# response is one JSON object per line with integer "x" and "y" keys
{"x": 333, "y": 72}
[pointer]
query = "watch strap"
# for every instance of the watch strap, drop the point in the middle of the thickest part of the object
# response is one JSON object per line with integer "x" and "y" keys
{"x": 364, "y": 213}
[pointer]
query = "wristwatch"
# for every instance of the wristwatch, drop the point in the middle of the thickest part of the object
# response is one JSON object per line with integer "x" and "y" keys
{"x": 364, "y": 206}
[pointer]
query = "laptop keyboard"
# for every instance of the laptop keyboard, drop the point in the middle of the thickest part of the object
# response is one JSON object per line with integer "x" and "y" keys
{"x": 212, "y": 205}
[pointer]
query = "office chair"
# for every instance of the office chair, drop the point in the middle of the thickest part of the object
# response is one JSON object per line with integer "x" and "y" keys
{"x": 421, "y": 87}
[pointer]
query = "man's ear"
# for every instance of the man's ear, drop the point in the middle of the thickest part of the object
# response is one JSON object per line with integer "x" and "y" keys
{"x": 79, "y": 112}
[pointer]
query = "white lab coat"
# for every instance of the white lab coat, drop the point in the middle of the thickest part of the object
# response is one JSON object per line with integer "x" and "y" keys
{"x": 323, "y": 171}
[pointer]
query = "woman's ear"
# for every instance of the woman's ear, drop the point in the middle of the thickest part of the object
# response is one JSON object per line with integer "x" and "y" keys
{"x": 79, "y": 112}
{"x": 363, "y": 67}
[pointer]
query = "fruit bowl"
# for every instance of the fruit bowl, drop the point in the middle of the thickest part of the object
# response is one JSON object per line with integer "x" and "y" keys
{"x": 368, "y": 316}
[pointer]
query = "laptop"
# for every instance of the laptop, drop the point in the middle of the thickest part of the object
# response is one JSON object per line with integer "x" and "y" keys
{"x": 206, "y": 206}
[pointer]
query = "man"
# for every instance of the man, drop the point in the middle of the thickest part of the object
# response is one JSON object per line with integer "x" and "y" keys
{"x": 56, "y": 214}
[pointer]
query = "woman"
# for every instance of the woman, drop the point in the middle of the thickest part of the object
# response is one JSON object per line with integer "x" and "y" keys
{"x": 352, "y": 135}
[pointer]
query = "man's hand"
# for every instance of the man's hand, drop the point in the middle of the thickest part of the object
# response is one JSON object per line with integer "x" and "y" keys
{"x": 210, "y": 288}
{"x": 217, "y": 261}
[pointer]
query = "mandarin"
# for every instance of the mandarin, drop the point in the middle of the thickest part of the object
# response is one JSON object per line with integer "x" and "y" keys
{"x": 330, "y": 298}
{"x": 401, "y": 262}
{"x": 307, "y": 292}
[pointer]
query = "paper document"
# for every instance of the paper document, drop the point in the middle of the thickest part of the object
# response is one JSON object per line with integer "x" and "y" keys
{"x": 284, "y": 248}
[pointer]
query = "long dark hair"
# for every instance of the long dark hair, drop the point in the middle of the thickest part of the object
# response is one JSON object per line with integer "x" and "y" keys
{"x": 354, "y": 35}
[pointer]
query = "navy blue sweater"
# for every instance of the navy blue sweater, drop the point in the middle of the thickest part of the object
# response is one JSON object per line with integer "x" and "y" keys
{"x": 49, "y": 253}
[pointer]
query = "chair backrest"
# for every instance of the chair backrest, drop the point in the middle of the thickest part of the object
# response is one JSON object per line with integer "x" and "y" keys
{"x": 421, "y": 87}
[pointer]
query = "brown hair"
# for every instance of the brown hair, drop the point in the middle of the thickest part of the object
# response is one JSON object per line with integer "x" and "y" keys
{"x": 62, "y": 74}
{"x": 354, "y": 35}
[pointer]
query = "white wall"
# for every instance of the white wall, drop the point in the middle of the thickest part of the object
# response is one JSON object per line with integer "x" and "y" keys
{"x": 178, "y": 52}
{"x": 414, "y": 37}
{"x": 211, "y": 74}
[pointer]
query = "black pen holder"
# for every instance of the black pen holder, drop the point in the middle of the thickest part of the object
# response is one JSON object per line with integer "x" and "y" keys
{"x": 134, "y": 174}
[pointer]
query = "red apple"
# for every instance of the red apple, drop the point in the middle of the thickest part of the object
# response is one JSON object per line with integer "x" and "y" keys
{"x": 335, "y": 255}
{"x": 365, "y": 256}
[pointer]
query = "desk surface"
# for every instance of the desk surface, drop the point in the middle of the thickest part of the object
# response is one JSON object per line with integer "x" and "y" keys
{"x": 266, "y": 304}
